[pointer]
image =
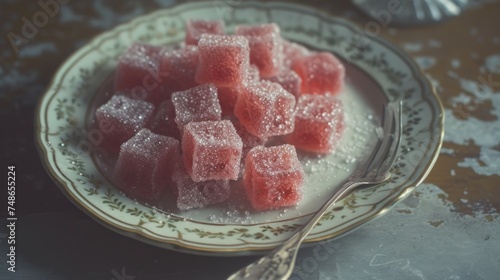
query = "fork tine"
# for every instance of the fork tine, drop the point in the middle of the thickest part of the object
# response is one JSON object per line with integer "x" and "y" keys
{"x": 396, "y": 137}
{"x": 387, "y": 141}
{"x": 383, "y": 144}
{"x": 368, "y": 165}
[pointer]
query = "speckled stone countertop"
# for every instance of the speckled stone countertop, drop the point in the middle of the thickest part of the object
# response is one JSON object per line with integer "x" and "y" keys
{"x": 447, "y": 229}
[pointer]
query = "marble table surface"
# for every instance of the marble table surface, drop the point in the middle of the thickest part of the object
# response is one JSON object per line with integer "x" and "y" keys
{"x": 449, "y": 228}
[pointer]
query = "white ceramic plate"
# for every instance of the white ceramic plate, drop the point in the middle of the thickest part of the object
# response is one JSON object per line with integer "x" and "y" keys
{"x": 377, "y": 72}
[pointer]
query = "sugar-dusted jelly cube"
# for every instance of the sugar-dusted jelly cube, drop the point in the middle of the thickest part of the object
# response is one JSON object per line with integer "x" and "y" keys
{"x": 177, "y": 69}
{"x": 249, "y": 140}
{"x": 163, "y": 120}
{"x": 319, "y": 122}
{"x": 291, "y": 52}
{"x": 191, "y": 194}
{"x": 229, "y": 95}
{"x": 137, "y": 72}
{"x": 265, "y": 47}
{"x": 224, "y": 60}
{"x": 211, "y": 150}
{"x": 227, "y": 99}
{"x": 145, "y": 164}
{"x": 321, "y": 73}
{"x": 289, "y": 80}
{"x": 124, "y": 117}
{"x": 273, "y": 177}
{"x": 196, "y": 104}
{"x": 195, "y": 28}
{"x": 265, "y": 109}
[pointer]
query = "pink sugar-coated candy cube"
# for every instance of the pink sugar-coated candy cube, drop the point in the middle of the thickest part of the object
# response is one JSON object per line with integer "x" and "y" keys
{"x": 163, "y": 120}
{"x": 137, "y": 73}
{"x": 145, "y": 164}
{"x": 289, "y": 80}
{"x": 265, "y": 47}
{"x": 229, "y": 95}
{"x": 196, "y": 104}
{"x": 227, "y": 99}
{"x": 196, "y": 28}
{"x": 265, "y": 109}
{"x": 177, "y": 69}
{"x": 291, "y": 52}
{"x": 224, "y": 60}
{"x": 191, "y": 194}
{"x": 122, "y": 117}
{"x": 249, "y": 140}
{"x": 273, "y": 177}
{"x": 321, "y": 73}
{"x": 319, "y": 123}
{"x": 211, "y": 150}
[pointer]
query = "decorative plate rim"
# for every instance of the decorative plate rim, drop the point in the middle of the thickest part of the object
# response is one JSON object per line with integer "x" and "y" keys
{"x": 174, "y": 243}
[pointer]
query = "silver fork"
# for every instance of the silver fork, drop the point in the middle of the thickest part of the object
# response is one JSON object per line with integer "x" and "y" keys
{"x": 279, "y": 263}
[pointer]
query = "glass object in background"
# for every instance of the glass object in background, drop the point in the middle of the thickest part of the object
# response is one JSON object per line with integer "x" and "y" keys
{"x": 411, "y": 12}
